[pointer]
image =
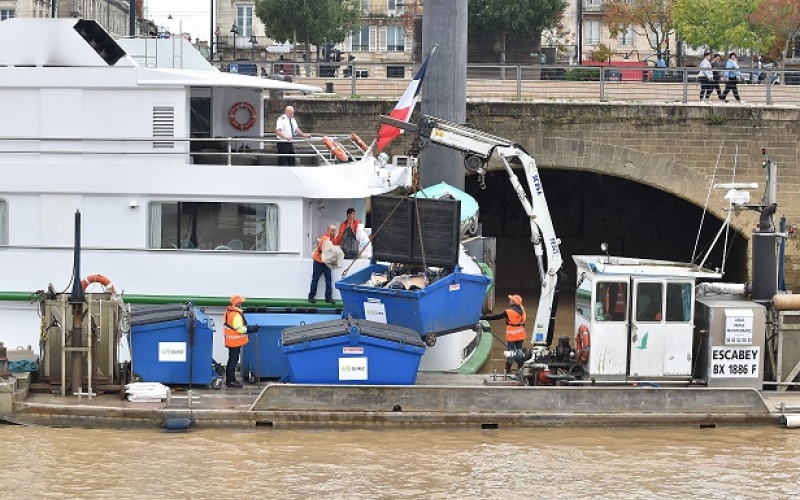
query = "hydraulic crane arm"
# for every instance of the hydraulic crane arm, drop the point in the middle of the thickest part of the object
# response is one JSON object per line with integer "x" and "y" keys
{"x": 478, "y": 148}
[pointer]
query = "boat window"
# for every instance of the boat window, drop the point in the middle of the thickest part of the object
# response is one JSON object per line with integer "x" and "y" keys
{"x": 648, "y": 301}
{"x": 214, "y": 226}
{"x": 679, "y": 302}
{"x": 3, "y": 223}
{"x": 200, "y": 113}
{"x": 611, "y": 303}
{"x": 583, "y": 299}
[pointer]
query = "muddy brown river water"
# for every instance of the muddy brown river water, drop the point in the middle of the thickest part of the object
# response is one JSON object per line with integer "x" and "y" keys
{"x": 722, "y": 463}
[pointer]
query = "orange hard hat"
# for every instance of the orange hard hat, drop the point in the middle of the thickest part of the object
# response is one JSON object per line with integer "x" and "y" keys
{"x": 237, "y": 299}
{"x": 515, "y": 299}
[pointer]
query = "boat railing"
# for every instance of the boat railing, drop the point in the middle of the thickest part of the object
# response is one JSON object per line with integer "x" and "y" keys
{"x": 197, "y": 150}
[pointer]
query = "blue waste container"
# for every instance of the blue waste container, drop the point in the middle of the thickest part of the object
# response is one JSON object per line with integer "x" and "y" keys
{"x": 450, "y": 303}
{"x": 171, "y": 344}
{"x": 352, "y": 352}
{"x": 262, "y": 356}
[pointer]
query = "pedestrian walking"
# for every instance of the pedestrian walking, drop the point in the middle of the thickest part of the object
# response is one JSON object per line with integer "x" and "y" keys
{"x": 732, "y": 78}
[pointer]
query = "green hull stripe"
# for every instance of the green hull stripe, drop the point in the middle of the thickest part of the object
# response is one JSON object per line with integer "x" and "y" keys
{"x": 481, "y": 354}
{"x": 179, "y": 299}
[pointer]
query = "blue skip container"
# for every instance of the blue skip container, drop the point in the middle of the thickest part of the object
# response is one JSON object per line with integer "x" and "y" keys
{"x": 449, "y": 304}
{"x": 354, "y": 352}
{"x": 262, "y": 356}
{"x": 167, "y": 340}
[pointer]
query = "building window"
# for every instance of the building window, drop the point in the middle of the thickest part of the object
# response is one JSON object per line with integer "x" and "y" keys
{"x": 244, "y": 20}
{"x": 365, "y": 7}
{"x": 592, "y": 33}
{"x": 396, "y": 7}
{"x": 396, "y": 37}
{"x": 361, "y": 39}
{"x": 6, "y": 14}
{"x": 3, "y": 223}
{"x": 214, "y": 226}
{"x": 395, "y": 71}
{"x": 626, "y": 37}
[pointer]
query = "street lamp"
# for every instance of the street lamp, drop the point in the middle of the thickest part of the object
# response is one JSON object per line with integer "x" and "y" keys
{"x": 235, "y": 31}
{"x": 253, "y": 43}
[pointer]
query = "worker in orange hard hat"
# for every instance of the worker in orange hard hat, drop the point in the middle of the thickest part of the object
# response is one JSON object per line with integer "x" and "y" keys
{"x": 515, "y": 317}
{"x": 236, "y": 330}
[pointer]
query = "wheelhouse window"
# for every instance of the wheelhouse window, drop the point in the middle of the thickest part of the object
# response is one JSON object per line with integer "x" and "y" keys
{"x": 611, "y": 302}
{"x": 649, "y": 300}
{"x": 583, "y": 299}
{"x": 214, "y": 226}
{"x": 679, "y": 302}
{"x": 3, "y": 223}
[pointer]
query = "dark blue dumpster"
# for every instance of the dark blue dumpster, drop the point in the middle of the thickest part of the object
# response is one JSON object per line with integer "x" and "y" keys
{"x": 262, "y": 356}
{"x": 171, "y": 344}
{"x": 447, "y": 304}
{"x": 351, "y": 351}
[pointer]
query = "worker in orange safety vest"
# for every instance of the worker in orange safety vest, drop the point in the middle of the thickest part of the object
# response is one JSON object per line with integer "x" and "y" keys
{"x": 236, "y": 335}
{"x": 515, "y": 317}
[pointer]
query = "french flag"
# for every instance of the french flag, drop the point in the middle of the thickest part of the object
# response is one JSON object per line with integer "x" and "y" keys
{"x": 405, "y": 106}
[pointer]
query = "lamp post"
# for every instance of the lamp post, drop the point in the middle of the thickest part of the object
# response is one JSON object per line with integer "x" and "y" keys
{"x": 235, "y": 31}
{"x": 580, "y": 32}
{"x": 253, "y": 43}
{"x": 211, "y": 35}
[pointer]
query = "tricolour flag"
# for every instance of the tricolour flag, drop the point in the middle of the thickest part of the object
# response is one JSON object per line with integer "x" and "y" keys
{"x": 405, "y": 106}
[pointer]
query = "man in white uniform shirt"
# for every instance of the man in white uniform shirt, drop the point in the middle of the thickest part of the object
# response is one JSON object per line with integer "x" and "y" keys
{"x": 287, "y": 130}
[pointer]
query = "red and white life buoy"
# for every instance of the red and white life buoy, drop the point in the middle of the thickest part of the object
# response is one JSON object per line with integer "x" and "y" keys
{"x": 582, "y": 344}
{"x": 359, "y": 142}
{"x": 97, "y": 278}
{"x": 235, "y": 123}
{"x": 335, "y": 147}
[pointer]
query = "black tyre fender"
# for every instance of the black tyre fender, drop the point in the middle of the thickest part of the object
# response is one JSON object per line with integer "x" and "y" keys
{"x": 430, "y": 339}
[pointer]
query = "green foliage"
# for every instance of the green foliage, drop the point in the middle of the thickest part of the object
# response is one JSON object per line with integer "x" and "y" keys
{"x": 719, "y": 24}
{"x": 309, "y": 21}
{"x": 521, "y": 20}
{"x": 781, "y": 19}
{"x": 651, "y": 19}
{"x": 602, "y": 54}
{"x": 583, "y": 75}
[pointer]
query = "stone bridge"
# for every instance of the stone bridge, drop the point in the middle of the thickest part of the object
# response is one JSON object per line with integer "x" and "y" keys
{"x": 586, "y": 149}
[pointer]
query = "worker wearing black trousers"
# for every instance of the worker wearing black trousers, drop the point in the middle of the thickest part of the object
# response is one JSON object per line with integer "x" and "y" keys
{"x": 236, "y": 335}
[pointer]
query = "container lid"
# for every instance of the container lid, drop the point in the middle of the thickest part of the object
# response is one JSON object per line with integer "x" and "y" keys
{"x": 342, "y": 327}
{"x": 146, "y": 314}
{"x": 408, "y": 229}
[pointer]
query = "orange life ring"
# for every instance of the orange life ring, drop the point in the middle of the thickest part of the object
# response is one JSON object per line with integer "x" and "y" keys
{"x": 96, "y": 278}
{"x": 236, "y": 123}
{"x": 335, "y": 147}
{"x": 582, "y": 344}
{"x": 360, "y": 143}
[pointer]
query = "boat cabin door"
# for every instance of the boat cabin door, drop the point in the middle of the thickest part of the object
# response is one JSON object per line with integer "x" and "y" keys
{"x": 661, "y": 328}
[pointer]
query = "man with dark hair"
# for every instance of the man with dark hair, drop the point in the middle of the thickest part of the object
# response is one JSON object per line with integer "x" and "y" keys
{"x": 348, "y": 237}
{"x": 705, "y": 77}
{"x": 716, "y": 63}
{"x": 732, "y": 75}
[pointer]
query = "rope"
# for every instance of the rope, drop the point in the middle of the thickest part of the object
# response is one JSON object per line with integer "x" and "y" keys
{"x": 705, "y": 206}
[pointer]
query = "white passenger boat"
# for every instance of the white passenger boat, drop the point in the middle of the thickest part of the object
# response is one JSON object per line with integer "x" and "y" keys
{"x": 178, "y": 186}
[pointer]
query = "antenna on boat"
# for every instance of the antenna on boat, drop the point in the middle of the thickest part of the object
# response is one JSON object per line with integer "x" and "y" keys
{"x": 77, "y": 290}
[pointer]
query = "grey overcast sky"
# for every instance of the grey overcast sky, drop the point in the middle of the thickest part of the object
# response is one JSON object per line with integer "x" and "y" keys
{"x": 190, "y": 16}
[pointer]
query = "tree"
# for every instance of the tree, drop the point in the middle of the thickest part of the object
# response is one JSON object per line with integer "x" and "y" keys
{"x": 311, "y": 22}
{"x": 779, "y": 17}
{"x": 651, "y": 19}
{"x": 719, "y": 24}
{"x": 521, "y": 20}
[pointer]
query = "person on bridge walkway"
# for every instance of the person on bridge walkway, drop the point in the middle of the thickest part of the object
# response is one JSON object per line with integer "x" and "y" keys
{"x": 732, "y": 75}
{"x": 716, "y": 63}
{"x": 515, "y": 317}
{"x": 236, "y": 330}
{"x": 706, "y": 77}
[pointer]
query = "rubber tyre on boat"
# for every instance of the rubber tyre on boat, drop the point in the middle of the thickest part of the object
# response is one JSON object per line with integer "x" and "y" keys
{"x": 430, "y": 339}
{"x": 216, "y": 384}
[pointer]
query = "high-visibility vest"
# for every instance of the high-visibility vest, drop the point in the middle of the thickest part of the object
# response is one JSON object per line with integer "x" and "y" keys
{"x": 235, "y": 334}
{"x": 318, "y": 252}
{"x": 344, "y": 225}
{"x": 515, "y": 324}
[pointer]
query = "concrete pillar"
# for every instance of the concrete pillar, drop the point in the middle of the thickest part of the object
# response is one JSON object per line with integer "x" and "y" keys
{"x": 444, "y": 90}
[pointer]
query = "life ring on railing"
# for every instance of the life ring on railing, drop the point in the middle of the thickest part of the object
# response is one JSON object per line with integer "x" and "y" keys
{"x": 97, "y": 278}
{"x": 360, "y": 143}
{"x": 236, "y": 123}
{"x": 582, "y": 344}
{"x": 335, "y": 147}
